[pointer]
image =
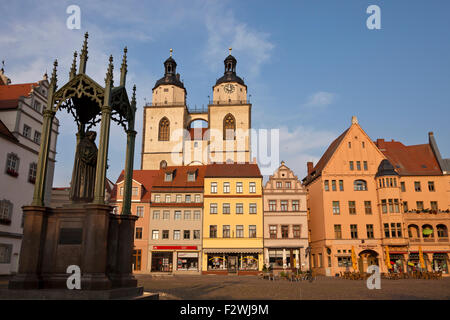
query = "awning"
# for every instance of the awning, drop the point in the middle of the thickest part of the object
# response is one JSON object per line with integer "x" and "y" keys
{"x": 238, "y": 250}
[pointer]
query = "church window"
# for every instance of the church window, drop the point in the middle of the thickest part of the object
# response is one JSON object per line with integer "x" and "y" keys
{"x": 229, "y": 127}
{"x": 164, "y": 129}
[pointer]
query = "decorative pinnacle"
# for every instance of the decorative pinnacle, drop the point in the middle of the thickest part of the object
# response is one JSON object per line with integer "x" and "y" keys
{"x": 54, "y": 76}
{"x": 109, "y": 73}
{"x": 133, "y": 97}
{"x": 73, "y": 69}
{"x": 123, "y": 69}
{"x": 171, "y": 50}
{"x": 84, "y": 54}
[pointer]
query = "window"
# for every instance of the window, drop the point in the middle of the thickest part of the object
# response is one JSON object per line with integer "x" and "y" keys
{"x": 32, "y": 172}
{"x": 239, "y": 208}
{"x": 352, "y": 207}
{"x": 419, "y": 205}
{"x": 191, "y": 177}
{"x": 363, "y": 144}
{"x": 354, "y": 231}
{"x": 402, "y": 186}
{"x": 252, "y": 231}
{"x": 288, "y": 185}
{"x": 358, "y": 165}
{"x": 284, "y": 231}
{"x": 176, "y": 234}
{"x": 239, "y": 231}
{"x": 399, "y": 230}
{"x": 168, "y": 176}
{"x": 272, "y": 205}
{"x": 226, "y": 208}
{"x": 187, "y": 234}
{"x": 337, "y": 231}
{"x": 384, "y": 206}
{"x": 341, "y": 185}
{"x": 391, "y": 205}
{"x": 213, "y": 231}
{"x": 295, "y": 205}
{"x": 137, "y": 258}
{"x": 252, "y": 208}
{"x": 229, "y": 127}
{"x": 196, "y": 234}
{"x": 140, "y": 211}
{"x": 284, "y": 205}
{"x": 213, "y": 187}
{"x": 168, "y": 198}
{"x": 187, "y": 215}
{"x": 333, "y": 185}
{"x": 155, "y": 234}
{"x": 226, "y": 231}
{"x": 134, "y": 191}
{"x": 166, "y": 215}
{"x": 155, "y": 215}
{"x": 386, "y": 230}
{"x": 434, "y": 205}
{"x": 178, "y": 198}
{"x": 187, "y": 198}
{"x": 336, "y": 209}
{"x": 405, "y": 206}
{"x": 5, "y": 253}
{"x": 326, "y": 185}
{"x": 213, "y": 208}
{"x": 252, "y": 187}
{"x": 320, "y": 260}
{"x": 197, "y": 198}
{"x": 37, "y": 137}
{"x": 365, "y": 165}
{"x": 431, "y": 186}
{"x": 12, "y": 164}
{"x": 165, "y": 234}
{"x": 368, "y": 207}
{"x": 238, "y": 187}
{"x": 177, "y": 215}
{"x": 138, "y": 233}
{"x": 273, "y": 231}
{"x": 369, "y": 228}
{"x": 279, "y": 185}
{"x": 164, "y": 129}
{"x": 417, "y": 186}
{"x": 26, "y": 131}
{"x": 197, "y": 215}
{"x": 157, "y": 198}
{"x": 226, "y": 187}
{"x": 442, "y": 231}
{"x": 296, "y": 231}
{"x": 121, "y": 191}
{"x": 349, "y": 145}
{"x": 6, "y": 209}
{"x": 360, "y": 185}
{"x": 396, "y": 206}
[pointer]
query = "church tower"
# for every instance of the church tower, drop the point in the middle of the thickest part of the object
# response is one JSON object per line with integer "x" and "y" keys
{"x": 164, "y": 121}
{"x": 229, "y": 117}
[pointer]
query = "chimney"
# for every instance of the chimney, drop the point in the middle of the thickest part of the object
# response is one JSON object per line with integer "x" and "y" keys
{"x": 254, "y": 160}
{"x": 310, "y": 166}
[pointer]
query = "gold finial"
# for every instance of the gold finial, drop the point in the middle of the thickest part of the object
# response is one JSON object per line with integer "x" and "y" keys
{"x": 171, "y": 50}
{"x": 229, "y": 49}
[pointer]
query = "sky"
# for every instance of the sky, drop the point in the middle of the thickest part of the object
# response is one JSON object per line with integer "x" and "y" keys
{"x": 309, "y": 65}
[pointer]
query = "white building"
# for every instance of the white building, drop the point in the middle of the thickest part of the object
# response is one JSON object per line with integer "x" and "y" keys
{"x": 21, "y": 107}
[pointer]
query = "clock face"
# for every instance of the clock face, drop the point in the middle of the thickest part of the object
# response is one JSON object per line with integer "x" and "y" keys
{"x": 228, "y": 88}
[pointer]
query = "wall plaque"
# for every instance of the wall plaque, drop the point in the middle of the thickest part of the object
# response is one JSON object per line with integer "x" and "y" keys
{"x": 70, "y": 235}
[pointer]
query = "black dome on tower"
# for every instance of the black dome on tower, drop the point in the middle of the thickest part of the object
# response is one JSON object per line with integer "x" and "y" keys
{"x": 230, "y": 71}
{"x": 170, "y": 74}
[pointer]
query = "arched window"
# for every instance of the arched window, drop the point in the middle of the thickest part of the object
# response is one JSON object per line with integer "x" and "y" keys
{"x": 360, "y": 185}
{"x": 442, "y": 231}
{"x": 427, "y": 232}
{"x": 413, "y": 231}
{"x": 229, "y": 127}
{"x": 164, "y": 129}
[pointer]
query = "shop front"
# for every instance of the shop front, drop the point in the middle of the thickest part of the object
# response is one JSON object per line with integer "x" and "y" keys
{"x": 284, "y": 258}
{"x": 233, "y": 262}
{"x": 397, "y": 262}
{"x": 174, "y": 259}
{"x": 440, "y": 262}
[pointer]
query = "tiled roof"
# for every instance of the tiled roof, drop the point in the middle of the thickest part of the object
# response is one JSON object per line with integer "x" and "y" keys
{"x": 231, "y": 170}
{"x": 144, "y": 177}
{"x": 410, "y": 160}
{"x": 4, "y": 132}
{"x": 179, "y": 180}
{"x": 317, "y": 171}
{"x": 10, "y": 94}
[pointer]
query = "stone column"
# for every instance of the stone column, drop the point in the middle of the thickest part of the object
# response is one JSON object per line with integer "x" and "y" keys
{"x": 129, "y": 160}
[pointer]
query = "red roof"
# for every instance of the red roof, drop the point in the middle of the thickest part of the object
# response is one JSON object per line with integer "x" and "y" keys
{"x": 144, "y": 177}
{"x": 179, "y": 180}
{"x": 4, "y": 131}
{"x": 410, "y": 160}
{"x": 10, "y": 94}
{"x": 233, "y": 170}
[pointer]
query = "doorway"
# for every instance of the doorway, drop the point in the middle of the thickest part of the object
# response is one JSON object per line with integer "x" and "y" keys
{"x": 232, "y": 264}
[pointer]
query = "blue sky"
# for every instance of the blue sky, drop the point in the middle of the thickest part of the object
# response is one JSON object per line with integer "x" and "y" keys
{"x": 309, "y": 65}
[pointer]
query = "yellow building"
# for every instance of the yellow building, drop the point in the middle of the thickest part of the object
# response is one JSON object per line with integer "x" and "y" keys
{"x": 233, "y": 219}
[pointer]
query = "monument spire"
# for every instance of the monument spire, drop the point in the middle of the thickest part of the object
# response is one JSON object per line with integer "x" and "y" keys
{"x": 123, "y": 69}
{"x": 54, "y": 78}
{"x": 109, "y": 74}
{"x": 84, "y": 55}
{"x": 73, "y": 70}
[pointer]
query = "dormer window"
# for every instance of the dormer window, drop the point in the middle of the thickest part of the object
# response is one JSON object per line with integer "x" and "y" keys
{"x": 191, "y": 176}
{"x": 168, "y": 176}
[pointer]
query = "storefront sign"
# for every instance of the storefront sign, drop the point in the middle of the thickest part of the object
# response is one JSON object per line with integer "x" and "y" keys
{"x": 174, "y": 247}
{"x": 187, "y": 254}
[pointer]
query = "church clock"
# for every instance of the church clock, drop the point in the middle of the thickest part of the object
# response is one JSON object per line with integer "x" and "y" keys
{"x": 228, "y": 88}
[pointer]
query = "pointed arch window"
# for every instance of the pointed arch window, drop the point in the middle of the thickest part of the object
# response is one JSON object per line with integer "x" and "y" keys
{"x": 229, "y": 127}
{"x": 164, "y": 129}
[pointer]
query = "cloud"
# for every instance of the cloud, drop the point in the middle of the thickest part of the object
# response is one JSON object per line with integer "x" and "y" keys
{"x": 320, "y": 99}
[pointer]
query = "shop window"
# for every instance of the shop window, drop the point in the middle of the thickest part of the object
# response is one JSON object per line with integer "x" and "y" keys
{"x": 187, "y": 261}
{"x": 217, "y": 262}
{"x": 344, "y": 262}
{"x": 162, "y": 261}
{"x": 276, "y": 258}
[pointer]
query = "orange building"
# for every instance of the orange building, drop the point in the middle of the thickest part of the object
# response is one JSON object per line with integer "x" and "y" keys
{"x": 371, "y": 196}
